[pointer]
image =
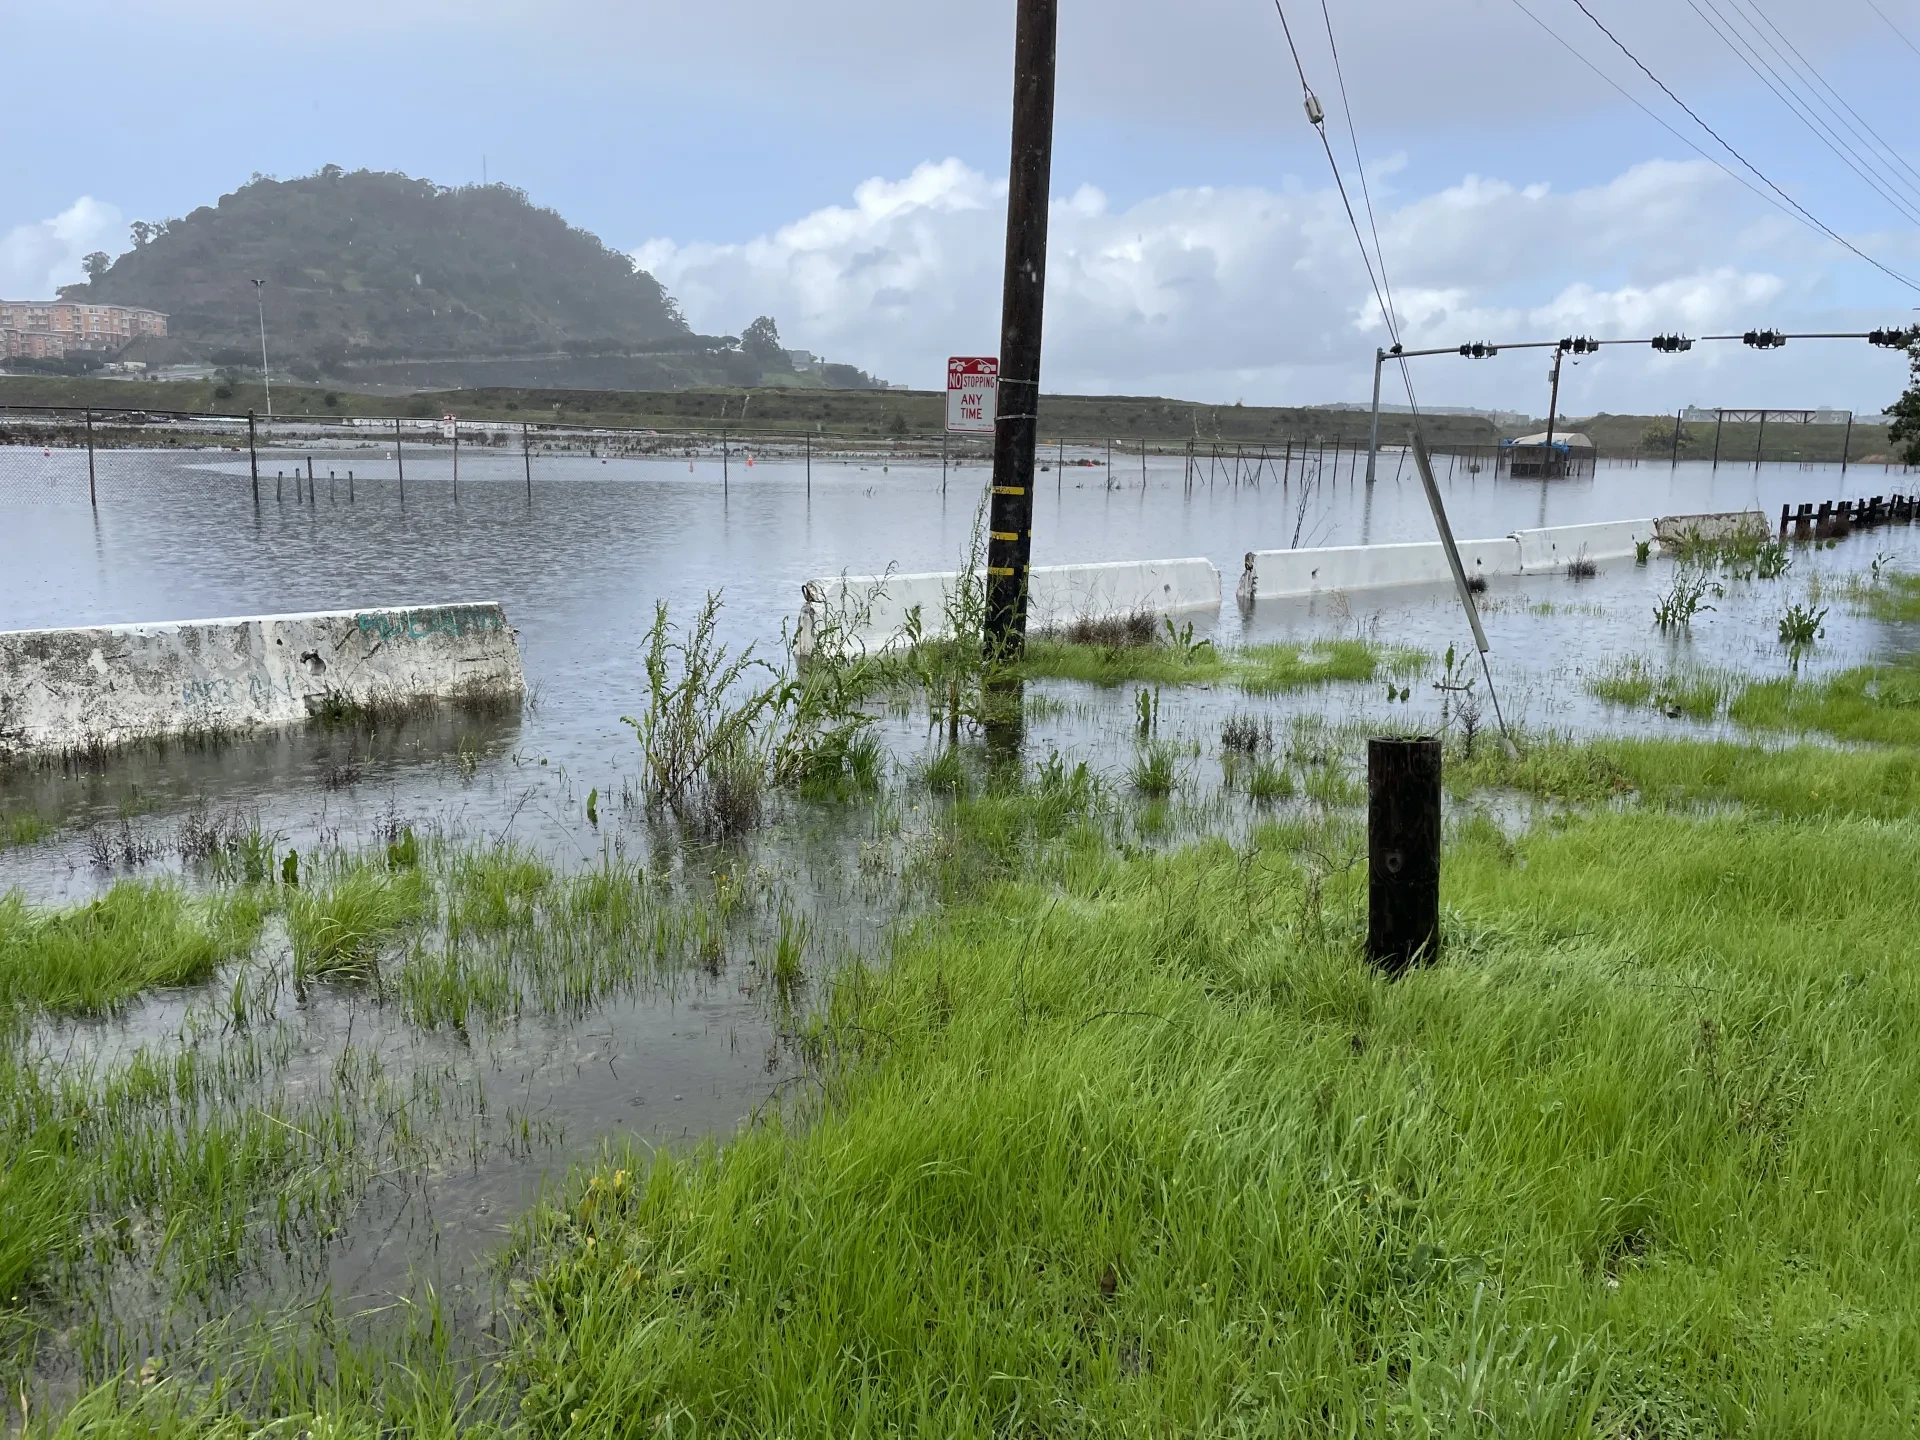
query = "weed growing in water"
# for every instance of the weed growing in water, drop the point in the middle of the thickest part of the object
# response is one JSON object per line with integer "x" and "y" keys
{"x": 946, "y": 772}
{"x": 1113, "y": 631}
{"x": 1642, "y": 550}
{"x": 1246, "y": 734}
{"x": 1684, "y": 599}
{"x": 1801, "y": 625}
{"x": 1146, "y": 712}
{"x": 1268, "y": 781}
{"x": 1582, "y": 567}
{"x": 1155, "y": 770}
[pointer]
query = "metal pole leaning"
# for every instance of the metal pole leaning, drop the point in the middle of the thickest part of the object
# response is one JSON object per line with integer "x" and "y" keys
{"x": 1846, "y": 445}
{"x": 400, "y": 460}
{"x": 253, "y": 458}
{"x": 1373, "y": 430}
{"x": 93, "y": 497}
{"x": 526, "y": 456}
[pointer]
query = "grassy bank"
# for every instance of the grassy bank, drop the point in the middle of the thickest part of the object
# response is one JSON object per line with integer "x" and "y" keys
{"x": 858, "y": 414}
{"x": 1137, "y": 1143}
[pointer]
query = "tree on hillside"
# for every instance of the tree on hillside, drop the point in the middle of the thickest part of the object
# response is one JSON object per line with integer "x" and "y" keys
{"x": 1904, "y": 432}
{"x": 761, "y": 340}
{"x": 97, "y": 264}
{"x": 1657, "y": 439}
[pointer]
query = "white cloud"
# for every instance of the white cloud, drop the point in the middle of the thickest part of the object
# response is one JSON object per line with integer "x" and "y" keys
{"x": 37, "y": 258}
{"x": 1225, "y": 293}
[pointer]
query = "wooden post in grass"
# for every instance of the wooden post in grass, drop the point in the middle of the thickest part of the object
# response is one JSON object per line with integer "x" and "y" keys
{"x": 1403, "y": 852}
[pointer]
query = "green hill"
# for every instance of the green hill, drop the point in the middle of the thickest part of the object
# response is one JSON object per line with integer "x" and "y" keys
{"x": 368, "y": 265}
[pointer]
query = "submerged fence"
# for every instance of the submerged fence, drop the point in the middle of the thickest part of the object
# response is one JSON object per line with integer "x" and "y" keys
{"x": 70, "y": 454}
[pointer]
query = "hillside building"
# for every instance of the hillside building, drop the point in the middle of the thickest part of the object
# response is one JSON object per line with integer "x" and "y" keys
{"x": 49, "y": 329}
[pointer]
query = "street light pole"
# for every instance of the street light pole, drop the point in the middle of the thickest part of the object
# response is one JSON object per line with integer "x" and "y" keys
{"x": 259, "y": 298}
{"x": 1373, "y": 432}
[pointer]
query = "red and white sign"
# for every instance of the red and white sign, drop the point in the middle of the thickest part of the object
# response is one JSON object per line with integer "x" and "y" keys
{"x": 449, "y": 427}
{"x": 973, "y": 386}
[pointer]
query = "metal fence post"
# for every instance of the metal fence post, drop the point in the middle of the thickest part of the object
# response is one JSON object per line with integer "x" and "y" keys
{"x": 1846, "y": 445}
{"x": 253, "y": 458}
{"x": 810, "y": 467}
{"x": 526, "y": 455}
{"x": 400, "y": 460}
{"x": 93, "y": 497}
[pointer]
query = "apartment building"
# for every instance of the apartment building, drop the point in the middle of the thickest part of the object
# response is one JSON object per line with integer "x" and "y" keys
{"x": 48, "y": 329}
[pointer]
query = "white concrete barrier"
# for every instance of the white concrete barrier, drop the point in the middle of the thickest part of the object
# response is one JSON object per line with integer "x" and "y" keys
{"x": 869, "y": 613}
{"x": 1551, "y": 549}
{"x": 110, "y": 684}
{"x": 1362, "y": 567}
{"x": 1721, "y": 525}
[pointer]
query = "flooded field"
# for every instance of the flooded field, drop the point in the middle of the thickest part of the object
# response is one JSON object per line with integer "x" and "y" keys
{"x": 493, "y": 958}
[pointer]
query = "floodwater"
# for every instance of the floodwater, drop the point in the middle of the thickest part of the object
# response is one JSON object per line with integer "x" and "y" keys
{"x": 579, "y": 561}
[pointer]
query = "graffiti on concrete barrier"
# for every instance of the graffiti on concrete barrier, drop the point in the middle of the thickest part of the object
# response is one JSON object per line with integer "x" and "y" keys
{"x": 451, "y": 620}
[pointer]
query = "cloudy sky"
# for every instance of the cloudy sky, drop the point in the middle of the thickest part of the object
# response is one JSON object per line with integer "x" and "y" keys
{"x": 841, "y": 166}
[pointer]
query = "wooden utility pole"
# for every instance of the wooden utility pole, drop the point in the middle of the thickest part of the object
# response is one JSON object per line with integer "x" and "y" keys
{"x": 1016, "y": 422}
{"x": 1403, "y": 852}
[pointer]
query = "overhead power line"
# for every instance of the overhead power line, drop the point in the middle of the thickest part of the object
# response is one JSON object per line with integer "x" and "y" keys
{"x": 1807, "y": 66}
{"x": 1366, "y": 191}
{"x": 1893, "y": 27}
{"x": 1660, "y": 120}
{"x": 1785, "y": 89}
{"x": 1758, "y": 174}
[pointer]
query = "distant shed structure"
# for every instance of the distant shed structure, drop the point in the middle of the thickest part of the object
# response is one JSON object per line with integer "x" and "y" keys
{"x": 1544, "y": 457}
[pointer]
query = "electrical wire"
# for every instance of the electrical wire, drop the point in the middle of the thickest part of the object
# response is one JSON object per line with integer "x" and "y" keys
{"x": 1807, "y": 67}
{"x": 1661, "y": 121}
{"x": 1316, "y": 116}
{"x": 1783, "y": 90}
{"x": 1755, "y": 170}
{"x": 1893, "y": 27}
{"x": 1366, "y": 191}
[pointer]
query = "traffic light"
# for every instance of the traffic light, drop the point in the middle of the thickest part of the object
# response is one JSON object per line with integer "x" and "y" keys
{"x": 1764, "y": 339}
{"x": 1479, "y": 350}
{"x": 1672, "y": 344}
{"x": 1894, "y": 339}
{"x": 1581, "y": 345}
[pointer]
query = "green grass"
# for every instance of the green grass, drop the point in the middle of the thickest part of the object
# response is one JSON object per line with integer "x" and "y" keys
{"x": 343, "y": 928}
{"x": 138, "y": 936}
{"x": 1888, "y": 595}
{"x": 1635, "y": 684}
{"x": 1139, "y": 1145}
{"x": 1258, "y": 669}
{"x": 1873, "y": 703}
{"x": 1797, "y": 781}
{"x": 23, "y": 827}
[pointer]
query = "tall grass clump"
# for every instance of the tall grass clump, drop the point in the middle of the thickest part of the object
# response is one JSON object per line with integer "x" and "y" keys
{"x": 720, "y": 727}
{"x": 138, "y": 936}
{"x": 342, "y": 928}
{"x": 1155, "y": 769}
